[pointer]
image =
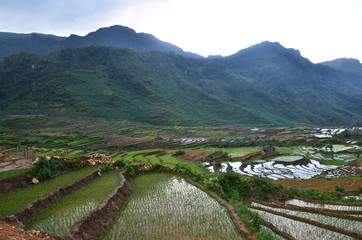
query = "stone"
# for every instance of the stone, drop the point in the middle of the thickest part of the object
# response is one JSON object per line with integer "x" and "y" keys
{"x": 35, "y": 181}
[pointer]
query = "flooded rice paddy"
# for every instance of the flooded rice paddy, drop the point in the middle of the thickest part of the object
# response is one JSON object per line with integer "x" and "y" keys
{"x": 272, "y": 169}
{"x": 298, "y": 162}
{"x": 301, "y": 203}
{"x": 301, "y": 230}
{"x": 165, "y": 206}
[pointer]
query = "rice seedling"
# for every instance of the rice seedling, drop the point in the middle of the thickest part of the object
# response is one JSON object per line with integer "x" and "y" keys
{"x": 164, "y": 206}
{"x": 346, "y": 224}
{"x": 301, "y": 230}
{"x": 58, "y": 219}
{"x": 12, "y": 202}
{"x": 302, "y": 203}
{"x": 267, "y": 230}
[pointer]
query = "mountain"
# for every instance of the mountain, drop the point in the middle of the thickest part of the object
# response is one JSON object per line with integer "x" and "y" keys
{"x": 114, "y": 36}
{"x": 265, "y": 84}
{"x": 309, "y": 91}
{"x": 349, "y": 68}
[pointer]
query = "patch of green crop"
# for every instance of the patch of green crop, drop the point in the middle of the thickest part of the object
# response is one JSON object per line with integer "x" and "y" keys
{"x": 236, "y": 152}
{"x": 140, "y": 158}
{"x": 131, "y": 155}
{"x": 12, "y": 173}
{"x": 58, "y": 219}
{"x": 164, "y": 206}
{"x": 12, "y": 202}
{"x": 334, "y": 162}
{"x": 153, "y": 159}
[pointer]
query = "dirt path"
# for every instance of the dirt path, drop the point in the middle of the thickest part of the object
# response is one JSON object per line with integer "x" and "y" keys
{"x": 349, "y": 184}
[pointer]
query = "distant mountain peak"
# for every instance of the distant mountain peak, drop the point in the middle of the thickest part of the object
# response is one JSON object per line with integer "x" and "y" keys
{"x": 113, "y": 36}
{"x": 267, "y": 47}
{"x": 346, "y": 65}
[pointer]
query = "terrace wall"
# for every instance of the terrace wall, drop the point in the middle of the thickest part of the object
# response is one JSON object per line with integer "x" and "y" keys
{"x": 93, "y": 224}
{"x": 22, "y": 217}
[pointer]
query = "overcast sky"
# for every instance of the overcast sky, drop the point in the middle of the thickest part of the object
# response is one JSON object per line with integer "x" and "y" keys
{"x": 320, "y": 29}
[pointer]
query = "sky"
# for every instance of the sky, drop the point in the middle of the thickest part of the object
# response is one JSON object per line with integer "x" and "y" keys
{"x": 321, "y": 30}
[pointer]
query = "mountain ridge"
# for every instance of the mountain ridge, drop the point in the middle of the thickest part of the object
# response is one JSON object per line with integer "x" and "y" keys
{"x": 114, "y": 36}
{"x": 274, "y": 88}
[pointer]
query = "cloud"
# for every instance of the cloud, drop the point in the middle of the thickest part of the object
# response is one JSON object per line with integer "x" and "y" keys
{"x": 322, "y": 30}
{"x": 55, "y": 16}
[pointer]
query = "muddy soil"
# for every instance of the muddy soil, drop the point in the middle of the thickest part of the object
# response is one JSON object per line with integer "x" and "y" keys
{"x": 14, "y": 162}
{"x": 349, "y": 184}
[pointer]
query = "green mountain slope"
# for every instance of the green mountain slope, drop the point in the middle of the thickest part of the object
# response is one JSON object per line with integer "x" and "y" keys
{"x": 349, "y": 69}
{"x": 311, "y": 92}
{"x": 259, "y": 87}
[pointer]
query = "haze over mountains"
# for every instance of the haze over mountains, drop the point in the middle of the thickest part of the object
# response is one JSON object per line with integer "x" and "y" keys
{"x": 140, "y": 78}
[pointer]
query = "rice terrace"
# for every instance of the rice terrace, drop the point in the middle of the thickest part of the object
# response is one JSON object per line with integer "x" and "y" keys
{"x": 70, "y": 178}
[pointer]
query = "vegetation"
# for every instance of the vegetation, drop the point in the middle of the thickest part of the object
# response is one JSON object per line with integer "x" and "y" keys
{"x": 13, "y": 173}
{"x": 58, "y": 219}
{"x": 44, "y": 169}
{"x": 17, "y": 200}
{"x": 162, "y": 206}
{"x": 113, "y": 79}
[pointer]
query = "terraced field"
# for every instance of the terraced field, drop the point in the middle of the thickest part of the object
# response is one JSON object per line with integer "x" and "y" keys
{"x": 58, "y": 219}
{"x": 313, "y": 221}
{"x": 157, "y": 156}
{"x": 273, "y": 170}
{"x": 164, "y": 206}
{"x": 12, "y": 202}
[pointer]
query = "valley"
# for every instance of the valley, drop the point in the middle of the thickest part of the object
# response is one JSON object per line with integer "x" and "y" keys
{"x": 232, "y": 162}
{"x": 119, "y": 135}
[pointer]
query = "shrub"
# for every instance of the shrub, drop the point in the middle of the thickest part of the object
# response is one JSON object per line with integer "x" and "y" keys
{"x": 44, "y": 169}
{"x": 179, "y": 153}
{"x": 106, "y": 167}
{"x": 119, "y": 164}
{"x": 131, "y": 169}
{"x": 71, "y": 165}
{"x": 234, "y": 186}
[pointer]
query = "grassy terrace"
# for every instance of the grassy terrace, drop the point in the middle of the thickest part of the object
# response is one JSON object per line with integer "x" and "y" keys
{"x": 12, "y": 202}
{"x": 12, "y": 173}
{"x": 166, "y": 159}
{"x": 58, "y": 219}
{"x": 164, "y": 206}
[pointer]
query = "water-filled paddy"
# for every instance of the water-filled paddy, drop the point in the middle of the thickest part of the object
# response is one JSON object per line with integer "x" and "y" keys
{"x": 301, "y": 230}
{"x": 164, "y": 206}
{"x": 273, "y": 170}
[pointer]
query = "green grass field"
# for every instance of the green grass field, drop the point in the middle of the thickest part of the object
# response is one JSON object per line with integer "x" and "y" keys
{"x": 12, "y": 173}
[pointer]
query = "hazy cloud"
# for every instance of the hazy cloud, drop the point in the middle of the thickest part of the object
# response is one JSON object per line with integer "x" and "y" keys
{"x": 320, "y": 29}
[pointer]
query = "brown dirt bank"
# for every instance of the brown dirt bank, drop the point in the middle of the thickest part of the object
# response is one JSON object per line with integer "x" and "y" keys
{"x": 93, "y": 224}
{"x": 8, "y": 232}
{"x": 349, "y": 184}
